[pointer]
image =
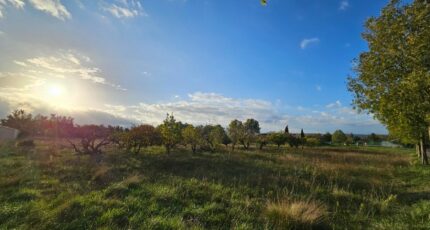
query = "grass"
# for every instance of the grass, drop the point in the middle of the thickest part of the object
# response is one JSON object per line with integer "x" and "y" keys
{"x": 313, "y": 188}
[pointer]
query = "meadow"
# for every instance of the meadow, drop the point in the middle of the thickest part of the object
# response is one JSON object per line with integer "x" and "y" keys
{"x": 49, "y": 187}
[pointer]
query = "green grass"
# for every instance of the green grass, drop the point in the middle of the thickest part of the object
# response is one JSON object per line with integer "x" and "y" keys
{"x": 320, "y": 188}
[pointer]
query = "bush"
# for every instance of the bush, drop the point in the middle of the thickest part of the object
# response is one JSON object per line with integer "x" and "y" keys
{"x": 312, "y": 141}
{"x": 25, "y": 144}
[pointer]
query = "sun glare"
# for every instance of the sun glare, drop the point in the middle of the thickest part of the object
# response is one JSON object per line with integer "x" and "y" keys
{"x": 55, "y": 91}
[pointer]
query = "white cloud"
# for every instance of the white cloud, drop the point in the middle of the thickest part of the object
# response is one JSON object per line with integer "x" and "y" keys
{"x": 52, "y": 7}
{"x": 306, "y": 42}
{"x": 343, "y": 5}
{"x": 19, "y": 4}
{"x": 203, "y": 108}
{"x": 335, "y": 104}
{"x": 64, "y": 64}
{"x": 125, "y": 9}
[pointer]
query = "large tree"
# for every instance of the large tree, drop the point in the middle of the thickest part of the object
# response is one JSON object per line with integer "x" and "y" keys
{"x": 252, "y": 129}
{"x": 192, "y": 137}
{"x": 236, "y": 132}
{"x": 170, "y": 132}
{"x": 393, "y": 77}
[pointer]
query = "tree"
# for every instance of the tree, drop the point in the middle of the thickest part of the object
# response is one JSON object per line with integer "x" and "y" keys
{"x": 374, "y": 138}
{"x": 226, "y": 139}
{"x": 286, "y": 131}
{"x": 216, "y": 136}
{"x": 192, "y": 137}
{"x": 339, "y": 137}
{"x": 141, "y": 136}
{"x": 302, "y": 138}
{"x": 20, "y": 120}
{"x": 326, "y": 138}
{"x": 262, "y": 140}
{"x": 293, "y": 141}
{"x": 252, "y": 128}
{"x": 278, "y": 139}
{"x": 236, "y": 132}
{"x": 92, "y": 138}
{"x": 170, "y": 132}
{"x": 392, "y": 78}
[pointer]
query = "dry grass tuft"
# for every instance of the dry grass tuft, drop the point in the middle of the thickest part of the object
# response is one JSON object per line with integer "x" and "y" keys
{"x": 295, "y": 214}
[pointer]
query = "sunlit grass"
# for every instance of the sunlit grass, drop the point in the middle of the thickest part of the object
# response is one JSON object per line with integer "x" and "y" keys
{"x": 47, "y": 187}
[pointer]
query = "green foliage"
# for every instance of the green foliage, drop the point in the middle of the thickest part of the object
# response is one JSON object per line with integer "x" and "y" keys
{"x": 313, "y": 141}
{"x": 236, "y": 132}
{"x": 278, "y": 139}
{"x": 393, "y": 77}
{"x": 141, "y": 136}
{"x": 192, "y": 137}
{"x": 20, "y": 120}
{"x": 326, "y": 138}
{"x": 170, "y": 132}
{"x": 339, "y": 137}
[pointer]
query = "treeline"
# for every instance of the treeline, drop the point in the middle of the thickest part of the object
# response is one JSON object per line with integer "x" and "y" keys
{"x": 392, "y": 78}
{"x": 90, "y": 139}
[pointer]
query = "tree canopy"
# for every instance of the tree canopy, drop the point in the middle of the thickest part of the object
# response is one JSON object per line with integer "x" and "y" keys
{"x": 392, "y": 79}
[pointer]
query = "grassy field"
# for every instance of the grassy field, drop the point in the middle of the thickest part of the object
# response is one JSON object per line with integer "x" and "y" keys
{"x": 319, "y": 188}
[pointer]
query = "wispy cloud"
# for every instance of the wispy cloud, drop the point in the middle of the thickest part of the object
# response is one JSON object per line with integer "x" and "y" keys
{"x": 344, "y": 5}
{"x": 308, "y": 41}
{"x": 125, "y": 9}
{"x": 19, "y": 4}
{"x": 203, "y": 108}
{"x": 64, "y": 64}
{"x": 335, "y": 104}
{"x": 52, "y": 7}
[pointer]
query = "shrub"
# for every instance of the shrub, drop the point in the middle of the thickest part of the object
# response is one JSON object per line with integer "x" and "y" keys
{"x": 295, "y": 215}
{"x": 25, "y": 144}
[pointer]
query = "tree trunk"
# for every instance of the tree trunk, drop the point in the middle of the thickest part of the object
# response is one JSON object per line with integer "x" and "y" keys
{"x": 424, "y": 151}
{"x": 418, "y": 150}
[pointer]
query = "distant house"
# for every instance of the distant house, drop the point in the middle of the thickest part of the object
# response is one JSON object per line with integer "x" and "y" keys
{"x": 8, "y": 134}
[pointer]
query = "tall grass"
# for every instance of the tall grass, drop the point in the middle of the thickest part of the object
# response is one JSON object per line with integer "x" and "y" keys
{"x": 51, "y": 188}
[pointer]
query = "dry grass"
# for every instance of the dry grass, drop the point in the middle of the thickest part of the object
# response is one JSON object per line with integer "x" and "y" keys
{"x": 295, "y": 214}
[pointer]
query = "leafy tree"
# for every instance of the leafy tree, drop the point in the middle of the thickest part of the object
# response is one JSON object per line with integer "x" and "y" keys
{"x": 92, "y": 138}
{"x": 293, "y": 141}
{"x": 262, "y": 140}
{"x": 192, "y": 137}
{"x": 339, "y": 137}
{"x": 170, "y": 132}
{"x": 236, "y": 131}
{"x": 216, "y": 136}
{"x": 20, "y": 120}
{"x": 326, "y": 138}
{"x": 278, "y": 139}
{"x": 392, "y": 78}
{"x": 286, "y": 131}
{"x": 142, "y": 136}
{"x": 313, "y": 141}
{"x": 226, "y": 139}
{"x": 302, "y": 138}
{"x": 374, "y": 138}
{"x": 252, "y": 129}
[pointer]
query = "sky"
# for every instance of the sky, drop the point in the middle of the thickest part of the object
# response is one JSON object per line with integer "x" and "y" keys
{"x": 124, "y": 62}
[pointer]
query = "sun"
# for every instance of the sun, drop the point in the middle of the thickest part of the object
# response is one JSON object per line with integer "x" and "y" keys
{"x": 55, "y": 90}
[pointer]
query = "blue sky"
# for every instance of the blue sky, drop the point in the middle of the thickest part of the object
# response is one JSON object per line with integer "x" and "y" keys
{"x": 207, "y": 61}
